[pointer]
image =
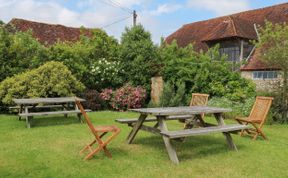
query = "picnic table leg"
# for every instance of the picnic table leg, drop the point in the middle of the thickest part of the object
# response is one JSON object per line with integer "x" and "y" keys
{"x": 171, "y": 151}
{"x": 136, "y": 128}
{"x": 28, "y": 124}
{"x": 65, "y": 106}
{"x": 229, "y": 139}
{"x": 20, "y": 111}
{"x": 78, "y": 114}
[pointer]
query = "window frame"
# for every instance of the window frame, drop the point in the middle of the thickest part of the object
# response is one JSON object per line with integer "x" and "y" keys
{"x": 265, "y": 75}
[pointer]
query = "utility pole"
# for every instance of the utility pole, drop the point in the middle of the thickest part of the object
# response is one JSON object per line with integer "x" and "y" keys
{"x": 134, "y": 18}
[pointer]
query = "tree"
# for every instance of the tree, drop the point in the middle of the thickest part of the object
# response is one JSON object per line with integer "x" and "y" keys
{"x": 19, "y": 51}
{"x": 138, "y": 56}
{"x": 93, "y": 59}
{"x": 207, "y": 72}
{"x": 273, "y": 45}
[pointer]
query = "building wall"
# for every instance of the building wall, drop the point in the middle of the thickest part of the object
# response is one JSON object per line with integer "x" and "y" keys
{"x": 266, "y": 85}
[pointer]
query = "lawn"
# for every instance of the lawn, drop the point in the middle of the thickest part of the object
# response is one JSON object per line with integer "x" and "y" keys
{"x": 50, "y": 149}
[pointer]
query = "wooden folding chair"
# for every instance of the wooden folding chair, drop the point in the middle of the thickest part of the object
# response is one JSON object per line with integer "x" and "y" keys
{"x": 257, "y": 117}
{"x": 198, "y": 99}
{"x": 98, "y": 132}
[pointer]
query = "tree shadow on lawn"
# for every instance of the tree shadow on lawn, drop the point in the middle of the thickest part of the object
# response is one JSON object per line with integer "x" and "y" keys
{"x": 45, "y": 121}
{"x": 116, "y": 152}
{"x": 192, "y": 147}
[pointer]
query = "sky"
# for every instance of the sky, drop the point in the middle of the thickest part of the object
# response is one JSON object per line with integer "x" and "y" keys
{"x": 160, "y": 17}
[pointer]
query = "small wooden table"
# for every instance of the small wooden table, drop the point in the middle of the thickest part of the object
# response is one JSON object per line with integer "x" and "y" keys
{"x": 67, "y": 104}
{"x": 165, "y": 113}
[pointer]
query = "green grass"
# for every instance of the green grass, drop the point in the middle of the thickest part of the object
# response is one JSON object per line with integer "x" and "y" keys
{"x": 50, "y": 149}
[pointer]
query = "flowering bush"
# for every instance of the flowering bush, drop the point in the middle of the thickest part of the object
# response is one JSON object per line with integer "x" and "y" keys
{"x": 106, "y": 94}
{"x": 105, "y": 73}
{"x": 124, "y": 98}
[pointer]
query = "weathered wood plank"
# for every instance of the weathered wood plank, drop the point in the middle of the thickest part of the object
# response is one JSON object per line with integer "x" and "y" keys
{"x": 169, "y": 147}
{"x": 185, "y": 110}
{"x": 40, "y": 107}
{"x": 203, "y": 131}
{"x": 50, "y": 113}
{"x": 133, "y": 120}
{"x": 136, "y": 128}
{"x": 149, "y": 129}
{"x": 46, "y": 100}
{"x": 229, "y": 140}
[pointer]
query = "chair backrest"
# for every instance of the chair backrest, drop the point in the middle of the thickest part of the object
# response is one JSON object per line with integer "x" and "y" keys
{"x": 260, "y": 109}
{"x": 199, "y": 99}
{"x": 89, "y": 123}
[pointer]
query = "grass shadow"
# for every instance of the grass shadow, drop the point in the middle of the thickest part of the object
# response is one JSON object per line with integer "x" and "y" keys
{"x": 192, "y": 147}
{"x": 54, "y": 121}
{"x": 116, "y": 152}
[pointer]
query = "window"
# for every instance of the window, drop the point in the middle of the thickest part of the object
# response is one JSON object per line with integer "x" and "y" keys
{"x": 233, "y": 53}
{"x": 265, "y": 74}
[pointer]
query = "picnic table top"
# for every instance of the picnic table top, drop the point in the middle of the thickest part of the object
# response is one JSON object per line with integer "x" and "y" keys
{"x": 46, "y": 100}
{"x": 183, "y": 110}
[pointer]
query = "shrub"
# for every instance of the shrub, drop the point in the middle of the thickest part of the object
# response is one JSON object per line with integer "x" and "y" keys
{"x": 173, "y": 95}
{"x": 93, "y": 100}
{"x": 242, "y": 108}
{"x": 105, "y": 73}
{"x": 52, "y": 79}
{"x": 204, "y": 72}
{"x": 93, "y": 60}
{"x": 126, "y": 97}
{"x": 19, "y": 51}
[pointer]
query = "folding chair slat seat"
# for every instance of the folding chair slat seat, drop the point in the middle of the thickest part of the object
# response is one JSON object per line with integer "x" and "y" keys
{"x": 257, "y": 117}
{"x": 98, "y": 132}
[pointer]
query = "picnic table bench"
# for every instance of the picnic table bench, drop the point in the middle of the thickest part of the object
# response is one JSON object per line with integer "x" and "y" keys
{"x": 175, "y": 113}
{"x": 27, "y": 108}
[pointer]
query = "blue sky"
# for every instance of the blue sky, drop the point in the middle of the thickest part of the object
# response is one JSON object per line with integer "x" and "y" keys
{"x": 161, "y": 17}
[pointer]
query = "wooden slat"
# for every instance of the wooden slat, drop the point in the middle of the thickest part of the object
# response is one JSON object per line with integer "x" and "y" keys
{"x": 203, "y": 131}
{"x": 44, "y": 106}
{"x": 46, "y": 100}
{"x": 51, "y": 113}
{"x": 149, "y": 129}
{"x": 133, "y": 120}
{"x": 185, "y": 110}
{"x": 129, "y": 121}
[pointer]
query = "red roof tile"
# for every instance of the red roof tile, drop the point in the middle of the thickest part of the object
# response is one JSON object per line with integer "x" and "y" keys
{"x": 254, "y": 63}
{"x": 48, "y": 34}
{"x": 236, "y": 25}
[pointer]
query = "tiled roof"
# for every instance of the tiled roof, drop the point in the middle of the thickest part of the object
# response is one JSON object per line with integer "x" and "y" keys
{"x": 48, "y": 34}
{"x": 255, "y": 63}
{"x": 232, "y": 27}
{"x": 239, "y": 25}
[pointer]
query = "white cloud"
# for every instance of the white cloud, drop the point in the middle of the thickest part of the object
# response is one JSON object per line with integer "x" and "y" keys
{"x": 89, "y": 13}
{"x": 166, "y": 8}
{"x": 220, "y": 7}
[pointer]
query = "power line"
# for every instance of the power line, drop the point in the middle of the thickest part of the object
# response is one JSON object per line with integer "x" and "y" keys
{"x": 120, "y": 6}
{"x": 117, "y": 5}
{"x": 116, "y": 22}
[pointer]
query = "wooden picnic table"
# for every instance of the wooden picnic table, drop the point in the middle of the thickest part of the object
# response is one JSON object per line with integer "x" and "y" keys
{"x": 175, "y": 113}
{"x": 27, "y": 107}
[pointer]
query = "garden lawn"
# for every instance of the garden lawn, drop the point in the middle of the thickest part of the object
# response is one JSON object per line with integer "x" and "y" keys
{"x": 50, "y": 149}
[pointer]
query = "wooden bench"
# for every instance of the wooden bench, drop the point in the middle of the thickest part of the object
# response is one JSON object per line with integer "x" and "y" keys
{"x": 203, "y": 131}
{"x": 40, "y": 107}
{"x": 134, "y": 120}
{"x": 31, "y": 114}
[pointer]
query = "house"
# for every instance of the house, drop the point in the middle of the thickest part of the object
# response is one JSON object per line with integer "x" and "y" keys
{"x": 49, "y": 34}
{"x": 234, "y": 34}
